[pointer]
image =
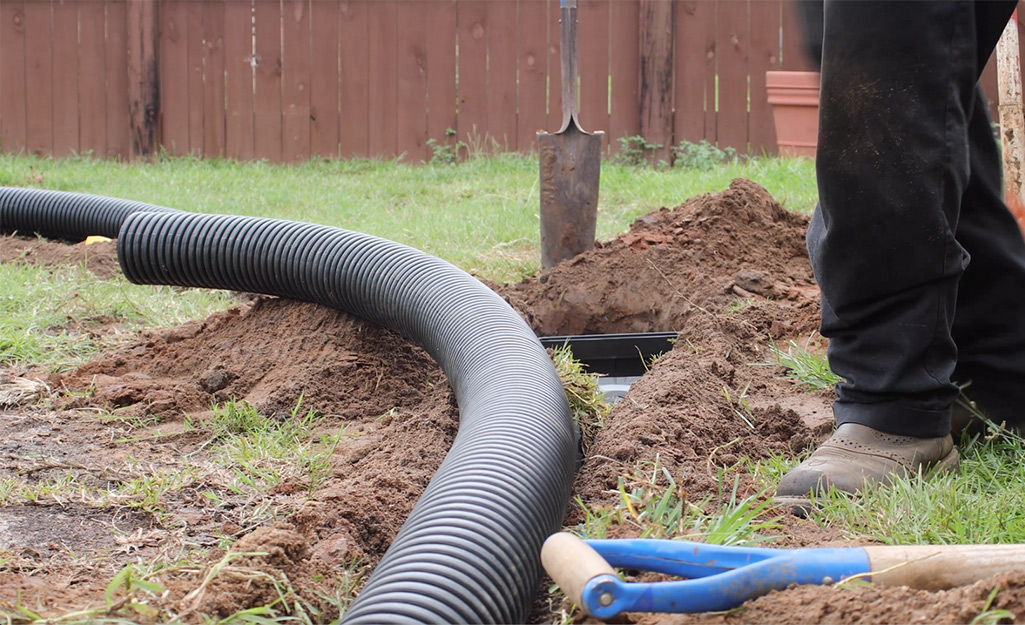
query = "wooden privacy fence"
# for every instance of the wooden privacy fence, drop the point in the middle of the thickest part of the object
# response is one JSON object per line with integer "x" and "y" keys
{"x": 287, "y": 80}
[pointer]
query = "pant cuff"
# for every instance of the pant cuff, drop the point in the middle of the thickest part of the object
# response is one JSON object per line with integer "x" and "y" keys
{"x": 895, "y": 419}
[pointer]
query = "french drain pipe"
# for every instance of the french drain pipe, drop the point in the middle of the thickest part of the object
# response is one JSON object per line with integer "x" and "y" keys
{"x": 468, "y": 553}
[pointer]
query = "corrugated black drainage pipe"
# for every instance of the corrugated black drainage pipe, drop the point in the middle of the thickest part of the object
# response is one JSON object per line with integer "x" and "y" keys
{"x": 65, "y": 215}
{"x": 469, "y": 551}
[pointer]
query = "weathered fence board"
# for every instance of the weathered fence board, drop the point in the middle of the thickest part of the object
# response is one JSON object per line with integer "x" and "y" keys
{"x": 441, "y": 71}
{"x": 624, "y": 58}
{"x": 12, "y": 75}
{"x": 267, "y": 85}
{"x": 92, "y": 78}
{"x": 65, "y": 78}
{"x": 287, "y": 80}
{"x": 213, "y": 79}
{"x": 174, "y": 76}
{"x": 238, "y": 89}
{"x": 297, "y": 69}
{"x": 324, "y": 79}
{"x": 38, "y": 78}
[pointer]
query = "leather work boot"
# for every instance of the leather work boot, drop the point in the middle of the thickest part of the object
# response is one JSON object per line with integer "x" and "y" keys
{"x": 856, "y": 455}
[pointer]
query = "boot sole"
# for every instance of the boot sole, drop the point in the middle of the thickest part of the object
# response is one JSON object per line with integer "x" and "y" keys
{"x": 802, "y": 506}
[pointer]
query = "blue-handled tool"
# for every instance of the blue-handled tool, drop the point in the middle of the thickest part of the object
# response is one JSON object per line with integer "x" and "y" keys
{"x": 720, "y": 578}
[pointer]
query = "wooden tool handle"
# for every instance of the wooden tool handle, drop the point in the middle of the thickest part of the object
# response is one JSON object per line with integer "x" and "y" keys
{"x": 936, "y": 567}
{"x": 572, "y": 563}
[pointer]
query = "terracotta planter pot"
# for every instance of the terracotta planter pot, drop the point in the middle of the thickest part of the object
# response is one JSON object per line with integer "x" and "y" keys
{"x": 794, "y": 97}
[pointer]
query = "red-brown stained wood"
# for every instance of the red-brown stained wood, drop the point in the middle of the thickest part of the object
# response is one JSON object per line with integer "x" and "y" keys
{"x": 532, "y": 62}
{"x": 65, "y": 77}
{"x": 694, "y": 80}
{"x": 472, "y": 24}
{"x": 794, "y": 56}
{"x": 238, "y": 74}
{"x": 12, "y": 77}
{"x": 354, "y": 134}
{"x": 593, "y": 64}
{"x": 194, "y": 44}
{"x": 174, "y": 76}
{"x": 38, "y": 78}
{"x": 501, "y": 86}
{"x": 988, "y": 82}
{"x": 411, "y": 86}
{"x": 441, "y": 71}
{"x": 764, "y": 56}
{"x": 624, "y": 53}
{"x": 656, "y": 74}
{"x": 295, "y": 98}
{"x": 144, "y": 98}
{"x": 267, "y": 96}
{"x": 119, "y": 119}
{"x": 92, "y": 79}
{"x": 383, "y": 78}
{"x": 734, "y": 41}
{"x": 213, "y": 79}
{"x": 324, "y": 79}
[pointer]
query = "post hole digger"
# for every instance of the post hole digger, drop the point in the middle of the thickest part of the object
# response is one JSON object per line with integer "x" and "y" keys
{"x": 720, "y": 578}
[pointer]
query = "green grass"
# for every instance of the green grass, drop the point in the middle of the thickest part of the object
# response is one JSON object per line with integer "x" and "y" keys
{"x": 60, "y": 317}
{"x": 481, "y": 215}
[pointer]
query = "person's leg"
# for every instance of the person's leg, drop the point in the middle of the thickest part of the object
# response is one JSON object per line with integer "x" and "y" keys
{"x": 989, "y": 324}
{"x": 898, "y": 88}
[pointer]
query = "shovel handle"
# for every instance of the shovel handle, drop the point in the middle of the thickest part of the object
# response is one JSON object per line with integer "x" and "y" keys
{"x": 568, "y": 58}
{"x": 572, "y": 563}
{"x": 937, "y": 567}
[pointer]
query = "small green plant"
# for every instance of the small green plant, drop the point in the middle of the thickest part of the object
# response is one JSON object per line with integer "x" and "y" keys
{"x": 129, "y": 583}
{"x": 702, "y": 156}
{"x": 446, "y": 153}
{"x": 636, "y": 151}
{"x": 804, "y": 367}
{"x": 238, "y": 417}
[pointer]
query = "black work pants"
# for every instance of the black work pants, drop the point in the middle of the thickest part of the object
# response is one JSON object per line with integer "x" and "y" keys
{"x": 921, "y": 265}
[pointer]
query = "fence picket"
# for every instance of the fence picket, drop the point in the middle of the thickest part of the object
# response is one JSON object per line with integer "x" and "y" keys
{"x": 296, "y": 72}
{"x": 267, "y": 93}
{"x": 411, "y": 85}
{"x": 92, "y": 79}
{"x": 354, "y": 131}
{"x": 213, "y": 79}
{"x": 65, "y": 78}
{"x": 12, "y": 77}
{"x": 38, "y": 78}
{"x": 324, "y": 79}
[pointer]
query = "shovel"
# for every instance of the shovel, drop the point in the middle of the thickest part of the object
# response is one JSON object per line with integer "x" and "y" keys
{"x": 570, "y": 164}
{"x": 721, "y": 578}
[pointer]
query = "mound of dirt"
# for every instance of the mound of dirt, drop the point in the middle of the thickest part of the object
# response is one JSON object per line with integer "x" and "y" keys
{"x": 728, "y": 271}
{"x": 100, "y": 258}
{"x": 705, "y": 255}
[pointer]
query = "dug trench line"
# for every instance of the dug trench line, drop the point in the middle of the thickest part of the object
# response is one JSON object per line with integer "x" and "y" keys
{"x": 469, "y": 550}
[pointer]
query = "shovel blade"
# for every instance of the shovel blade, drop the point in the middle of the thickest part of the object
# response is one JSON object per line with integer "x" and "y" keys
{"x": 570, "y": 170}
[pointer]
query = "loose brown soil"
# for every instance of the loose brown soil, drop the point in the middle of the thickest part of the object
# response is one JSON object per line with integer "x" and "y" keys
{"x": 728, "y": 271}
